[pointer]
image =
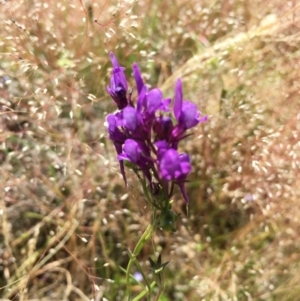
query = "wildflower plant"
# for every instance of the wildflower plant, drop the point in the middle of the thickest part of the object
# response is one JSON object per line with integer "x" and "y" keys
{"x": 146, "y": 137}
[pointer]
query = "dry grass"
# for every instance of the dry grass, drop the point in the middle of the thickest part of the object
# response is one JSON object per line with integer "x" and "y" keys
{"x": 66, "y": 220}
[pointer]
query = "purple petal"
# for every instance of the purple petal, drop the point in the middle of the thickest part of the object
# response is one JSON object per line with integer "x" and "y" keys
{"x": 130, "y": 118}
{"x": 166, "y": 105}
{"x": 138, "y": 276}
{"x": 174, "y": 166}
{"x": 185, "y": 164}
{"x": 178, "y": 99}
{"x": 114, "y": 60}
{"x": 131, "y": 151}
{"x": 185, "y": 168}
{"x": 203, "y": 118}
{"x": 183, "y": 191}
{"x": 138, "y": 78}
{"x": 189, "y": 115}
{"x": 141, "y": 99}
{"x": 162, "y": 147}
{"x": 112, "y": 123}
{"x": 154, "y": 100}
{"x": 114, "y": 132}
{"x": 118, "y": 84}
{"x": 169, "y": 165}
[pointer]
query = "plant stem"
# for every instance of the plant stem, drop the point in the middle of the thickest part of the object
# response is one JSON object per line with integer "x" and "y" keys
{"x": 144, "y": 292}
{"x": 139, "y": 246}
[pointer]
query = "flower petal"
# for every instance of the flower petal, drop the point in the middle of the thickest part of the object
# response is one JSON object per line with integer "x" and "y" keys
{"x": 183, "y": 191}
{"x": 141, "y": 99}
{"x": 114, "y": 60}
{"x": 131, "y": 151}
{"x": 178, "y": 99}
{"x": 118, "y": 84}
{"x": 130, "y": 118}
{"x": 154, "y": 100}
{"x": 138, "y": 78}
{"x": 189, "y": 115}
{"x": 114, "y": 132}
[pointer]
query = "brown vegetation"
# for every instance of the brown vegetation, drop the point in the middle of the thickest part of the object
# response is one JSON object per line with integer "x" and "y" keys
{"x": 66, "y": 219}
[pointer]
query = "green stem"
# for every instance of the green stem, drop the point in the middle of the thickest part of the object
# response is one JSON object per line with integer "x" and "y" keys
{"x": 143, "y": 240}
{"x": 161, "y": 290}
{"x": 144, "y": 292}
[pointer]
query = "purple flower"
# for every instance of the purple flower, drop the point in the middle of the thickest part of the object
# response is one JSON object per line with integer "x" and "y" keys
{"x": 118, "y": 138}
{"x": 130, "y": 118}
{"x": 174, "y": 166}
{"x": 115, "y": 134}
{"x": 249, "y": 197}
{"x": 185, "y": 112}
{"x": 132, "y": 121}
{"x": 139, "y": 121}
{"x": 118, "y": 84}
{"x": 155, "y": 102}
{"x": 134, "y": 152}
{"x": 148, "y": 140}
{"x": 138, "y": 154}
{"x": 148, "y": 104}
{"x": 138, "y": 276}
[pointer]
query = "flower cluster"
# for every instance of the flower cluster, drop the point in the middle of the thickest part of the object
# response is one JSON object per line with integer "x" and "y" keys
{"x": 145, "y": 134}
